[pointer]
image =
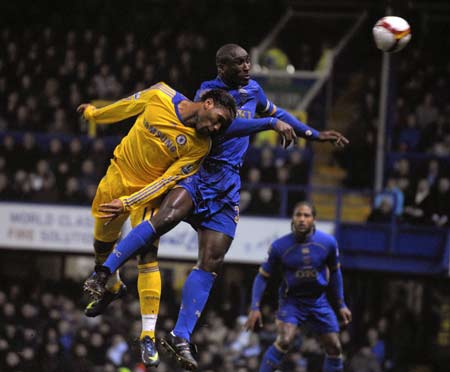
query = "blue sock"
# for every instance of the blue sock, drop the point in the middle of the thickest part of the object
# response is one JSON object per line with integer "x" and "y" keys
{"x": 139, "y": 237}
{"x": 332, "y": 364}
{"x": 195, "y": 293}
{"x": 271, "y": 360}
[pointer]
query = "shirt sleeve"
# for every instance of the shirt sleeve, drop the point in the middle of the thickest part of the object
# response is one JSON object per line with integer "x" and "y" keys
{"x": 271, "y": 262}
{"x": 120, "y": 110}
{"x": 182, "y": 168}
{"x": 241, "y": 127}
{"x": 336, "y": 279}
{"x": 333, "y": 261}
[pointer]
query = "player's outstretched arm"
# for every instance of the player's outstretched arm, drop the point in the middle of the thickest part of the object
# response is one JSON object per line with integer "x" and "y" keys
{"x": 254, "y": 316}
{"x": 117, "y": 111}
{"x": 305, "y": 131}
{"x": 241, "y": 127}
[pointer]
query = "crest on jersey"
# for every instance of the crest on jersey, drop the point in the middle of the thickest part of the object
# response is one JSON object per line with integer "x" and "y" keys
{"x": 187, "y": 169}
{"x": 181, "y": 139}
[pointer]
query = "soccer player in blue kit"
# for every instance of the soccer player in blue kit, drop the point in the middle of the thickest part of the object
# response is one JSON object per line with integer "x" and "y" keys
{"x": 209, "y": 200}
{"x": 309, "y": 261}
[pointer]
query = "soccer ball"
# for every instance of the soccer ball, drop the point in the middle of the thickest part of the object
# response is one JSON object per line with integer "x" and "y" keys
{"x": 391, "y": 34}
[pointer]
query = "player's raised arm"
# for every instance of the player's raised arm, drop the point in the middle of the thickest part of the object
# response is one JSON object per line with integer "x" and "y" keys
{"x": 117, "y": 111}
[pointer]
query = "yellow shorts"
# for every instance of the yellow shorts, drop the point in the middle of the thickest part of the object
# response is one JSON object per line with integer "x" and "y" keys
{"x": 112, "y": 187}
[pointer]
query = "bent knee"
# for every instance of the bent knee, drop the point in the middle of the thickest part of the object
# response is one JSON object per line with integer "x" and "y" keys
{"x": 283, "y": 343}
{"x": 211, "y": 263}
{"x": 333, "y": 349}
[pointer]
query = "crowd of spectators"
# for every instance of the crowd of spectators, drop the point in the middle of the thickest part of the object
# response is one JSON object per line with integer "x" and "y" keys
{"x": 419, "y": 197}
{"x": 43, "y": 328}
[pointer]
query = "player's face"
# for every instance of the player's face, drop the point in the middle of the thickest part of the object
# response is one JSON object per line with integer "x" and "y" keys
{"x": 302, "y": 220}
{"x": 236, "y": 72}
{"x": 211, "y": 119}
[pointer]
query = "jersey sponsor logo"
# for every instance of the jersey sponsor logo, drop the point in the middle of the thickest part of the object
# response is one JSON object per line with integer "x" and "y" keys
{"x": 306, "y": 274}
{"x": 187, "y": 169}
{"x": 181, "y": 139}
{"x": 246, "y": 114}
{"x": 236, "y": 209}
{"x": 158, "y": 134}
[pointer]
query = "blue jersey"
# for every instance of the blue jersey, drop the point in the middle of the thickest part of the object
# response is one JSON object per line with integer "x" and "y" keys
{"x": 250, "y": 100}
{"x": 305, "y": 265}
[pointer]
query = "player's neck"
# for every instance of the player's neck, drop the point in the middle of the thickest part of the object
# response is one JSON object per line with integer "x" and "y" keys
{"x": 304, "y": 236}
{"x": 188, "y": 112}
{"x": 230, "y": 84}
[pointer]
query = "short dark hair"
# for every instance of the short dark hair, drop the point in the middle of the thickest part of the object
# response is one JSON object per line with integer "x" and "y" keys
{"x": 223, "y": 54}
{"x": 308, "y": 204}
{"x": 221, "y": 98}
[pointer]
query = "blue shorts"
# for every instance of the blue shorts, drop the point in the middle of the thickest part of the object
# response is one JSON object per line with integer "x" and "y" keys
{"x": 317, "y": 314}
{"x": 214, "y": 190}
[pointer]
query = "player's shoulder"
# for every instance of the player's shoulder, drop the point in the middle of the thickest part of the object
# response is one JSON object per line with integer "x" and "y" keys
{"x": 162, "y": 89}
{"x": 253, "y": 84}
{"x": 212, "y": 84}
{"x": 325, "y": 238}
{"x": 284, "y": 241}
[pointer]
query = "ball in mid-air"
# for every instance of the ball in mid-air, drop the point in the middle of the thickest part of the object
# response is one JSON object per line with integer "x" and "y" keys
{"x": 391, "y": 34}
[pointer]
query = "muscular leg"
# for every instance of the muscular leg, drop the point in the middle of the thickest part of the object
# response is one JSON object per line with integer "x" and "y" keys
{"x": 213, "y": 246}
{"x": 175, "y": 207}
{"x": 276, "y": 352}
{"x": 333, "y": 350}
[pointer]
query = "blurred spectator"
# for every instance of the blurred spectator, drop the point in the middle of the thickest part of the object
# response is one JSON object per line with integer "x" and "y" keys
{"x": 441, "y": 203}
{"x": 267, "y": 165}
{"x": 419, "y": 206}
{"x": 409, "y": 136}
{"x": 377, "y": 345}
{"x": 382, "y": 213}
{"x": 364, "y": 361}
{"x": 394, "y": 194}
{"x": 264, "y": 202}
{"x": 426, "y": 112}
{"x": 432, "y": 173}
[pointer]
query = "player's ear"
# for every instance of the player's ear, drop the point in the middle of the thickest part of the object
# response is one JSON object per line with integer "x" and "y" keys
{"x": 208, "y": 104}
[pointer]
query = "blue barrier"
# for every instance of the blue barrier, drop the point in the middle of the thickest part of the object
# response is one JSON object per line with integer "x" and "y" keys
{"x": 395, "y": 248}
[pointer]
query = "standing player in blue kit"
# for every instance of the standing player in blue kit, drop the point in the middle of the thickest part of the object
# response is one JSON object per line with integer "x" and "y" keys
{"x": 209, "y": 200}
{"x": 309, "y": 262}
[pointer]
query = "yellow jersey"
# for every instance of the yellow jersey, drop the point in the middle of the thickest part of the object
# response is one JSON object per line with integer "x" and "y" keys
{"x": 159, "y": 150}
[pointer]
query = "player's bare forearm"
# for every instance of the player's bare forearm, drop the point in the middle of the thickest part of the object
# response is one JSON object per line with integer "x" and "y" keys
{"x": 334, "y": 137}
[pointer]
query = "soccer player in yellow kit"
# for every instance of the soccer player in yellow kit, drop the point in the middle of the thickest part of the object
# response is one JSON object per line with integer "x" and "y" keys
{"x": 167, "y": 143}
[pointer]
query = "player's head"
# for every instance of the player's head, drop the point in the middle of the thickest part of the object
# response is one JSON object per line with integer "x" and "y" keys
{"x": 303, "y": 218}
{"x": 217, "y": 112}
{"x": 233, "y": 65}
